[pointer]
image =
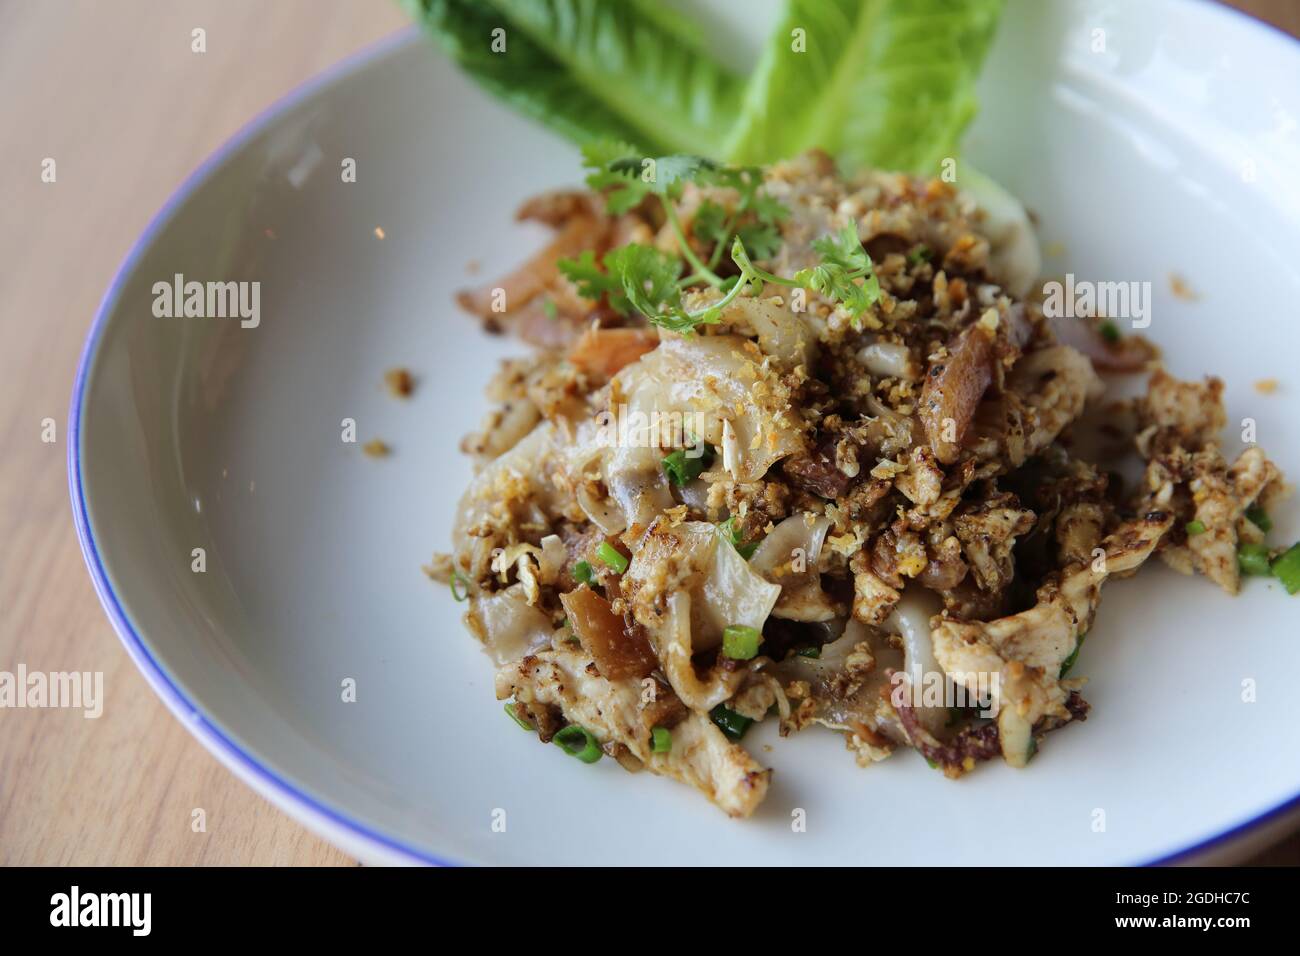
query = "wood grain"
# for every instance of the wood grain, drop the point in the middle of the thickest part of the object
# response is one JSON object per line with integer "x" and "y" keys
{"x": 114, "y": 94}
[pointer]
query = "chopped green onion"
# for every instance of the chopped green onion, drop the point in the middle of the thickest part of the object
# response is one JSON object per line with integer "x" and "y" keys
{"x": 455, "y": 576}
{"x": 1074, "y": 656}
{"x": 812, "y": 651}
{"x": 1109, "y": 331}
{"x": 661, "y": 740}
{"x": 1287, "y": 569}
{"x": 611, "y": 556}
{"x": 510, "y": 711}
{"x": 740, "y": 642}
{"x": 1253, "y": 559}
{"x": 548, "y": 306}
{"x": 729, "y": 531}
{"x": 732, "y": 724}
{"x": 582, "y": 573}
{"x": 1194, "y": 528}
{"x": 933, "y": 764}
{"x": 682, "y": 468}
{"x": 1259, "y": 518}
{"x": 578, "y": 742}
{"x": 920, "y": 253}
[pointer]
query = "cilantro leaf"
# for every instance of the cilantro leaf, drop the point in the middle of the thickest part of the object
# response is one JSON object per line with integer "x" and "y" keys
{"x": 844, "y": 261}
{"x": 592, "y": 283}
{"x": 843, "y": 250}
{"x": 643, "y": 278}
{"x": 599, "y": 155}
{"x": 627, "y": 177}
{"x": 762, "y": 239}
{"x": 712, "y": 223}
{"x": 753, "y": 220}
{"x": 586, "y": 276}
{"x": 663, "y": 175}
{"x": 648, "y": 277}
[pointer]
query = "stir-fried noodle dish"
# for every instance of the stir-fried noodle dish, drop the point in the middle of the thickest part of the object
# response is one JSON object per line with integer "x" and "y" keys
{"x": 804, "y": 447}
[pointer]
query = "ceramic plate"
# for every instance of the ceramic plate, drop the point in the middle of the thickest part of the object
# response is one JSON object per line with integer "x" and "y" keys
{"x": 1172, "y": 150}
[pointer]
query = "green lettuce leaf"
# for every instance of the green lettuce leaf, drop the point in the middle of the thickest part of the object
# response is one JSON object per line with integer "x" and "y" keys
{"x": 594, "y": 70}
{"x": 525, "y": 77}
{"x": 879, "y": 83}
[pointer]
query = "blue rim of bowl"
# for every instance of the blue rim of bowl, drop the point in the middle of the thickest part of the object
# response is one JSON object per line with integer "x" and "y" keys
{"x": 208, "y": 733}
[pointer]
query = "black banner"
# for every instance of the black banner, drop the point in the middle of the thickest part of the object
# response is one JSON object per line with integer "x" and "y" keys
{"x": 331, "y": 905}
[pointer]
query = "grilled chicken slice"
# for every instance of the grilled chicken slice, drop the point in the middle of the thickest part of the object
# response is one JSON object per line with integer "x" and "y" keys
{"x": 1189, "y": 414}
{"x": 1025, "y": 651}
{"x": 1221, "y": 500}
{"x": 1187, "y": 472}
{"x": 1046, "y": 391}
{"x": 613, "y": 712}
{"x": 987, "y": 532}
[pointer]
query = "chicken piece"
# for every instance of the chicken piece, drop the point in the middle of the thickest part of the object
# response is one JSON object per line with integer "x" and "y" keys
{"x": 1046, "y": 634}
{"x": 556, "y": 207}
{"x": 1187, "y": 473}
{"x": 1079, "y": 530}
{"x": 1054, "y": 384}
{"x": 1221, "y": 500}
{"x": 504, "y": 296}
{"x": 1024, "y": 652}
{"x": 601, "y": 353}
{"x": 987, "y": 534}
{"x": 611, "y": 710}
{"x": 1186, "y": 414}
{"x": 873, "y": 598}
{"x": 760, "y": 696}
{"x": 847, "y": 688}
{"x": 922, "y": 483}
{"x": 1046, "y": 391}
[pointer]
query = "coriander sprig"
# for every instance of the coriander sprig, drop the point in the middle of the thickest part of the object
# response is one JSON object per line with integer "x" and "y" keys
{"x": 650, "y": 281}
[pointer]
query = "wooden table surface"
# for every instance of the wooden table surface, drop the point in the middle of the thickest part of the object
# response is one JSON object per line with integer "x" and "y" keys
{"x": 114, "y": 94}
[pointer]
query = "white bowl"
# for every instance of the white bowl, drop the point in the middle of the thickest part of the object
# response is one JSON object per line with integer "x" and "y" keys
{"x": 197, "y": 433}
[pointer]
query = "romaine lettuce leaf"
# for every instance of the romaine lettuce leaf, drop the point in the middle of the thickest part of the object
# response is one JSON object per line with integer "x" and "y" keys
{"x": 525, "y": 77}
{"x": 878, "y": 83}
{"x": 593, "y": 69}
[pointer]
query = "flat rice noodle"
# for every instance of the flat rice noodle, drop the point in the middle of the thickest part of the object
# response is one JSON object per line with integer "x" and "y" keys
{"x": 707, "y": 587}
{"x": 910, "y": 620}
{"x": 508, "y": 625}
{"x": 781, "y": 332}
{"x": 802, "y": 597}
{"x": 704, "y": 382}
{"x": 527, "y": 461}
